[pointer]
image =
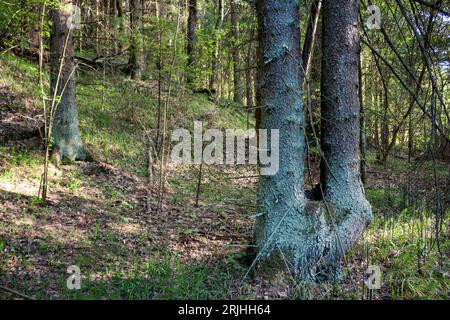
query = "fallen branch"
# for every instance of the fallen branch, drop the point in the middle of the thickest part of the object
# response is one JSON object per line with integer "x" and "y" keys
{"x": 17, "y": 293}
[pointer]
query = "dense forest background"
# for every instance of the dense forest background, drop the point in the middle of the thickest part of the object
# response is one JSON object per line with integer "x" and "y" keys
{"x": 139, "y": 226}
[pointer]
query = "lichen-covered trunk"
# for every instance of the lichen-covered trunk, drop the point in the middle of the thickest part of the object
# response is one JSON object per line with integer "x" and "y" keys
{"x": 237, "y": 82}
{"x": 66, "y": 133}
{"x": 136, "y": 63}
{"x": 293, "y": 235}
{"x": 340, "y": 125}
{"x": 282, "y": 227}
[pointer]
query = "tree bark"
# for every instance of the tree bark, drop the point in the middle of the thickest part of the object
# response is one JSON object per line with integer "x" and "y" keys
{"x": 191, "y": 39}
{"x": 362, "y": 129}
{"x": 308, "y": 45}
{"x": 340, "y": 122}
{"x": 258, "y": 75}
{"x": 281, "y": 196}
{"x": 294, "y": 235}
{"x": 237, "y": 83}
{"x": 248, "y": 76}
{"x": 66, "y": 132}
{"x": 105, "y": 11}
{"x": 216, "y": 44}
{"x": 136, "y": 63}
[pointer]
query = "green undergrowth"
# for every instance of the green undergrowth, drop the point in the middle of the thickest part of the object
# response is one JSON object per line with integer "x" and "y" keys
{"x": 113, "y": 114}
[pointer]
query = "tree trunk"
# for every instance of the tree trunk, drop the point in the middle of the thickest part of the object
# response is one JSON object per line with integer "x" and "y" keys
{"x": 136, "y": 64}
{"x": 97, "y": 23}
{"x": 114, "y": 25}
{"x": 281, "y": 196}
{"x": 410, "y": 139}
{"x": 248, "y": 77}
{"x": 106, "y": 31}
{"x": 308, "y": 45}
{"x": 340, "y": 122}
{"x": 362, "y": 129}
{"x": 216, "y": 44}
{"x": 191, "y": 39}
{"x": 377, "y": 107}
{"x": 66, "y": 132}
{"x": 293, "y": 235}
{"x": 121, "y": 23}
{"x": 258, "y": 75}
{"x": 237, "y": 83}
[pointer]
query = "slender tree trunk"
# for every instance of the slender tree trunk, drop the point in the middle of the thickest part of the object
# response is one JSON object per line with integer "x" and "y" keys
{"x": 362, "y": 129}
{"x": 248, "y": 77}
{"x": 385, "y": 129}
{"x": 159, "y": 66}
{"x": 66, "y": 132}
{"x": 410, "y": 139}
{"x": 136, "y": 63}
{"x": 308, "y": 45}
{"x": 115, "y": 27}
{"x": 106, "y": 31}
{"x": 248, "y": 84}
{"x": 215, "y": 59}
{"x": 383, "y": 151}
{"x": 377, "y": 107}
{"x": 248, "y": 73}
{"x": 97, "y": 23}
{"x": 121, "y": 23}
{"x": 191, "y": 39}
{"x": 237, "y": 82}
{"x": 83, "y": 10}
{"x": 258, "y": 75}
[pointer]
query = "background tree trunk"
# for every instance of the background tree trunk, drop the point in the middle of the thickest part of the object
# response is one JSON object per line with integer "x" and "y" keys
{"x": 66, "y": 132}
{"x": 362, "y": 129}
{"x": 216, "y": 44}
{"x": 191, "y": 39}
{"x": 236, "y": 57}
{"x": 248, "y": 76}
{"x": 136, "y": 49}
{"x": 310, "y": 37}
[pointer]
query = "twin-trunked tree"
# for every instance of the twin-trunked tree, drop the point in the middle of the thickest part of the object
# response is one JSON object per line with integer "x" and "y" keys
{"x": 310, "y": 236}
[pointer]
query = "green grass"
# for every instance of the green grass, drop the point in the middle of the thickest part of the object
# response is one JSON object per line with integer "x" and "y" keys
{"x": 164, "y": 278}
{"x": 21, "y": 77}
{"x": 216, "y": 185}
{"x": 402, "y": 241}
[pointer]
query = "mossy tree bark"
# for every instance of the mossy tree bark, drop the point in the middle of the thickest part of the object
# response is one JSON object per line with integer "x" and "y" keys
{"x": 295, "y": 235}
{"x": 66, "y": 133}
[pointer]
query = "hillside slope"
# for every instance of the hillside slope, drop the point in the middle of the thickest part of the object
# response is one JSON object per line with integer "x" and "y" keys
{"x": 103, "y": 216}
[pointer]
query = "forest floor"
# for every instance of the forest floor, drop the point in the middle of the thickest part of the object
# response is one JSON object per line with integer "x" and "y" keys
{"x": 102, "y": 216}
